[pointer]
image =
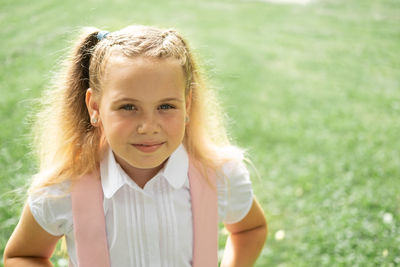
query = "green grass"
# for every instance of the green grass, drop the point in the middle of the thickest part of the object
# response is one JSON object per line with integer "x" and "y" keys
{"x": 312, "y": 91}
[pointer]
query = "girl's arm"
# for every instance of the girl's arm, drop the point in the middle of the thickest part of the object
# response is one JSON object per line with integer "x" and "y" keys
{"x": 246, "y": 239}
{"x": 29, "y": 245}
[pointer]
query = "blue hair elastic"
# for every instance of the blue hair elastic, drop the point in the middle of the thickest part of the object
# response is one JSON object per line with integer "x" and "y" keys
{"x": 101, "y": 35}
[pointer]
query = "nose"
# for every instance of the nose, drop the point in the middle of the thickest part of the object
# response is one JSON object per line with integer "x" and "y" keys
{"x": 148, "y": 125}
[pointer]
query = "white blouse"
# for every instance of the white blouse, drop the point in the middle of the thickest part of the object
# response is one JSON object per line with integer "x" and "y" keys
{"x": 150, "y": 226}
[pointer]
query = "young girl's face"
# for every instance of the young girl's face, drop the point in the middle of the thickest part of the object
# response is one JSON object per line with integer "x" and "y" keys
{"x": 142, "y": 109}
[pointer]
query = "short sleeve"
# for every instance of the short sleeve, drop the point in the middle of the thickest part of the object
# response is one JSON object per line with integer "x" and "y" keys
{"x": 235, "y": 193}
{"x": 51, "y": 208}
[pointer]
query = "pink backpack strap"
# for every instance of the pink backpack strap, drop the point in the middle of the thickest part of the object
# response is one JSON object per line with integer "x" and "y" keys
{"x": 205, "y": 217}
{"x": 89, "y": 222}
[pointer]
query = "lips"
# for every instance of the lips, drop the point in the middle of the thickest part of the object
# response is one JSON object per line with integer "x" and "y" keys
{"x": 148, "y": 147}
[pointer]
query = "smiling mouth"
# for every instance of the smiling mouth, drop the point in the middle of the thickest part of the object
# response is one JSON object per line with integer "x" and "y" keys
{"x": 148, "y": 148}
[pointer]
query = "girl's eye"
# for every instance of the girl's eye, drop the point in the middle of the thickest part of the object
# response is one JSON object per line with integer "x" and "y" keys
{"x": 128, "y": 107}
{"x": 165, "y": 106}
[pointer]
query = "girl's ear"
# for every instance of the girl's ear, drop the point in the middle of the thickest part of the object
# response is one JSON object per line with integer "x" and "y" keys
{"x": 92, "y": 103}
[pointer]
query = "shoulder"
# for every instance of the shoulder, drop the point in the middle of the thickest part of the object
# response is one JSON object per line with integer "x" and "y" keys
{"x": 51, "y": 208}
{"x": 234, "y": 189}
{"x": 51, "y": 195}
{"x": 234, "y": 169}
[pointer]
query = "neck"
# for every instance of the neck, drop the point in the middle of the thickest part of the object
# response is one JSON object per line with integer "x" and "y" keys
{"x": 139, "y": 176}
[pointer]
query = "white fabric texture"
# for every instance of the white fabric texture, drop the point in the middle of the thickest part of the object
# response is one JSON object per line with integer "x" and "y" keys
{"x": 150, "y": 226}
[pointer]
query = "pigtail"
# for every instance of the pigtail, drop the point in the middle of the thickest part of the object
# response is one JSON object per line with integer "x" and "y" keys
{"x": 77, "y": 81}
{"x": 206, "y": 138}
{"x": 63, "y": 133}
{"x": 79, "y": 68}
{"x": 86, "y": 135}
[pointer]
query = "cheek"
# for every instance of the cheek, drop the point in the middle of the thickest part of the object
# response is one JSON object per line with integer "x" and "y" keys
{"x": 114, "y": 124}
{"x": 174, "y": 124}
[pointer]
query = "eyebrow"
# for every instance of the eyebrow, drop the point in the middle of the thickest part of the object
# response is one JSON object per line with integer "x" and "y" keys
{"x": 136, "y": 100}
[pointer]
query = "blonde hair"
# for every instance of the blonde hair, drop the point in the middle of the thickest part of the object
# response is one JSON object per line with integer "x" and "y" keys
{"x": 69, "y": 146}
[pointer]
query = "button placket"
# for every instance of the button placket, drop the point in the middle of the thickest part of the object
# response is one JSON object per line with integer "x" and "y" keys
{"x": 151, "y": 223}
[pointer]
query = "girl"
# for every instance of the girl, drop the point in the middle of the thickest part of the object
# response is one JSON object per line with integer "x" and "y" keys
{"x": 132, "y": 119}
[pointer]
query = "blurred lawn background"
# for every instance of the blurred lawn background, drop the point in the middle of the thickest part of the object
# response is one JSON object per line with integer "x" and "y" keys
{"x": 311, "y": 90}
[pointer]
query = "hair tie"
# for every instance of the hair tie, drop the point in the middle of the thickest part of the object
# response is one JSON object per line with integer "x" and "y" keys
{"x": 101, "y": 35}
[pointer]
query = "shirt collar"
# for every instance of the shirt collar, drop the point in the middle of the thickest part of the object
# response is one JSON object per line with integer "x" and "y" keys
{"x": 113, "y": 177}
{"x": 176, "y": 168}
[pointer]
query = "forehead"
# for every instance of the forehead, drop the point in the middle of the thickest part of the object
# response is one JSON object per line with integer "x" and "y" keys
{"x": 143, "y": 77}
